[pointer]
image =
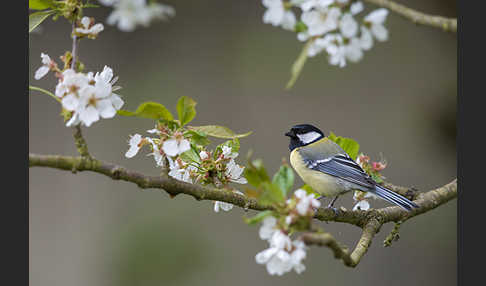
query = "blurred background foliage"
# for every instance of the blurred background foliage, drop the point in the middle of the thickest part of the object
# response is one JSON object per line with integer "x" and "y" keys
{"x": 400, "y": 100}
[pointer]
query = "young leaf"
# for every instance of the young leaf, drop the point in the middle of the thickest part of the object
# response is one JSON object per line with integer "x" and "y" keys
{"x": 298, "y": 65}
{"x": 219, "y": 131}
{"x": 233, "y": 144}
{"x": 258, "y": 217}
{"x": 186, "y": 109}
{"x": 198, "y": 138}
{"x": 284, "y": 179}
{"x": 255, "y": 173}
{"x": 191, "y": 155}
{"x": 349, "y": 145}
{"x": 152, "y": 110}
{"x": 35, "y": 19}
{"x": 40, "y": 4}
{"x": 271, "y": 194}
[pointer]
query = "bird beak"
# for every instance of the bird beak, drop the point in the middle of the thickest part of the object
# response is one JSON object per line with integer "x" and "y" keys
{"x": 290, "y": 134}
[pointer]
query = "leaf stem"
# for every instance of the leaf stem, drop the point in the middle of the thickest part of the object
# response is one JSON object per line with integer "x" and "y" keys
{"x": 45, "y": 91}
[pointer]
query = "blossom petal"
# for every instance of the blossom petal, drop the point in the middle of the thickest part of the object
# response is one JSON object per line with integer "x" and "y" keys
{"x": 89, "y": 115}
{"x": 41, "y": 72}
{"x": 170, "y": 147}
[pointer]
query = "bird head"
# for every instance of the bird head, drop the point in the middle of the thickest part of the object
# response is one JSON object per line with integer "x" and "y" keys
{"x": 302, "y": 135}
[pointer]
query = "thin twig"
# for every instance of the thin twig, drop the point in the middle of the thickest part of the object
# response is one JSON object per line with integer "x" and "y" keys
{"x": 74, "y": 48}
{"x": 79, "y": 140}
{"x": 446, "y": 24}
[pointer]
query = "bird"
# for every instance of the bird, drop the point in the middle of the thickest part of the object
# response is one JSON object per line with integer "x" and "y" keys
{"x": 330, "y": 171}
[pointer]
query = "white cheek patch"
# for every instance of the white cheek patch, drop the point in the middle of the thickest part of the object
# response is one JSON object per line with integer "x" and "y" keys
{"x": 308, "y": 137}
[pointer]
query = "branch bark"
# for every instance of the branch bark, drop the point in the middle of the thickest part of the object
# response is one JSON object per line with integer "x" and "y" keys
{"x": 370, "y": 221}
{"x": 446, "y": 24}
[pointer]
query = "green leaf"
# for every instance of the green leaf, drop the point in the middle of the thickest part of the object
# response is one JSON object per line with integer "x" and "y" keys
{"x": 152, "y": 110}
{"x": 35, "y": 19}
{"x": 300, "y": 27}
{"x": 219, "y": 131}
{"x": 271, "y": 194}
{"x": 186, "y": 109}
{"x": 191, "y": 155}
{"x": 284, "y": 179}
{"x": 198, "y": 138}
{"x": 349, "y": 145}
{"x": 40, "y": 4}
{"x": 255, "y": 173}
{"x": 258, "y": 217}
{"x": 298, "y": 65}
{"x": 233, "y": 144}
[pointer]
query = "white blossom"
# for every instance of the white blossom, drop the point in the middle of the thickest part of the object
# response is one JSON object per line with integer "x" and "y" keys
{"x": 234, "y": 172}
{"x": 179, "y": 172}
{"x": 223, "y": 205}
{"x": 128, "y": 14}
{"x": 280, "y": 240}
{"x": 366, "y": 39}
{"x": 228, "y": 153}
{"x": 154, "y": 131}
{"x": 306, "y": 5}
{"x": 306, "y": 202}
{"x": 376, "y": 19}
{"x": 353, "y": 51}
{"x": 321, "y": 21}
{"x": 283, "y": 255}
{"x": 277, "y": 15}
{"x": 88, "y": 28}
{"x": 203, "y": 155}
{"x": 173, "y": 147}
{"x": 68, "y": 88}
{"x": 44, "y": 69}
{"x": 97, "y": 101}
{"x": 135, "y": 145}
{"x": 90, "y": 97}
{"x": 356, "y": 7}
{"x": 268, "y": 227}
{"x": 158, "y": 157}
{"x": 348, "y": 26}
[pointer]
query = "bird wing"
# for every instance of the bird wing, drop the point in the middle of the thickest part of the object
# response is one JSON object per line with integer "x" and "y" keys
{"x": 341, "y": 166}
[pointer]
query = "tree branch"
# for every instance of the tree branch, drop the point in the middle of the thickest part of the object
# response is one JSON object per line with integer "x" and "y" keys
{"x": 370, "y": 221}
{"x": 373, "y": 221}
{"x": 341, "y": 252}
{"x": 446, "y": 24}
{"x": 426, "y": 201}
{"x": 80, "y": 143}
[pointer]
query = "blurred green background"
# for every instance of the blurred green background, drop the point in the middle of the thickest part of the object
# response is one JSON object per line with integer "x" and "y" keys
{"x": 400, "y": 100}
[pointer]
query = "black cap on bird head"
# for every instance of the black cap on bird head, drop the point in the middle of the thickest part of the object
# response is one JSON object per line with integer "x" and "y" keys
{"x": 303, "y": 134}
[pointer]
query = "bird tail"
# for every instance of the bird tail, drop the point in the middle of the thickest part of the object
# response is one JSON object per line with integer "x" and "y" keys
{"x": 394, "y": 198}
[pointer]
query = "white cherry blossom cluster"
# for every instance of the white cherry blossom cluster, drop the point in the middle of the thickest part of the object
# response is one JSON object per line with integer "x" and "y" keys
{"x": 283, "y": 254}
{"x": 87, "y": 96}
{"x": 216, "y": 167}
{"x": 90, "y": 97}
{"x": 301, "y": 205}
{"x": 169, "y": 145}
{"x": 330, "y": 26}
{"x": 128, "y": 14}
{"x": 88, "y": 28}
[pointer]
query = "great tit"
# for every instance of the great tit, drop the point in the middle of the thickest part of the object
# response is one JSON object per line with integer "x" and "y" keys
{"x": 329, "y": 170}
